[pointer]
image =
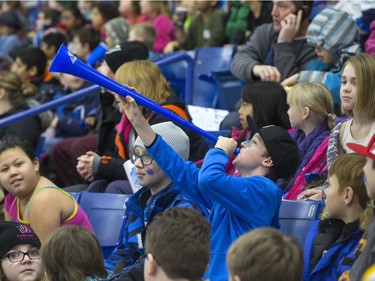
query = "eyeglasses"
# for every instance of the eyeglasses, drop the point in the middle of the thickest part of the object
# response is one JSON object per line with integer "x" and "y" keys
{"x": 146, "y": 159}
{"x": 247, "y": 143}
{"x": 19, "y": 256}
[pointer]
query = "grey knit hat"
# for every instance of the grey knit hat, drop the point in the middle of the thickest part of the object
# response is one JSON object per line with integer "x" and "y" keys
{"x": 334, "y": 30}
{"x": 117, "y": 29}
{"x": 172, "y": 135}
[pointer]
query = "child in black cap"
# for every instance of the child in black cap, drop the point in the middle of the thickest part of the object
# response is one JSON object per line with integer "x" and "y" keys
{"x": 19, "y": 253}
{"x": 237, "y": 204}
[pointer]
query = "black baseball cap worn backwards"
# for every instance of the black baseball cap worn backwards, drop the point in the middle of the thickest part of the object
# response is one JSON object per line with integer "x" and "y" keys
{"x": 282, "y": 148}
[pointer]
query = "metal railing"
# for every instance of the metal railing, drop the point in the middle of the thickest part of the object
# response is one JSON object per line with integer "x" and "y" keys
{"x": 183, "y": 56}
{"x": 94, "y": 89}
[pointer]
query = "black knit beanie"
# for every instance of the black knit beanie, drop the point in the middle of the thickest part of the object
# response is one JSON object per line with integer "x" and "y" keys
{"x": 15, "y": 233}
{"x": 125, "y": 52}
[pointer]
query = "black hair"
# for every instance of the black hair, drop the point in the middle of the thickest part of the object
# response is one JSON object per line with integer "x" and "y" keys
{"x": 55, "y": 39}
{"x": 33, "y": 56}
{"x": 76, "y": 13}
{"x": 51, "y": 14}
{"x": 300, "y": 4}
{"x": 109, "y": 10}
{"x": 14, "y": 142}
{"x": 89, "y": 36}
{"x": 269, "y": 103}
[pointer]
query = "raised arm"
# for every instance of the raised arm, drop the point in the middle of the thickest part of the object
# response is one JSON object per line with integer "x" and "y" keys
{"x": 174, "y": 167}
{"x": 139, "y": 122}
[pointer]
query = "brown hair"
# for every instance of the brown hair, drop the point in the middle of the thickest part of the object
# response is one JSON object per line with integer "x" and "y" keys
{"x": 364, "y": 68}
{"x": 265, "y": 254}
{"x": 179, "y": 240}
{"x": 72, "y": 253}
{"x": 348, "y": 169}
{"x": 16, "y": 91}
{"x": 146, "y": 77}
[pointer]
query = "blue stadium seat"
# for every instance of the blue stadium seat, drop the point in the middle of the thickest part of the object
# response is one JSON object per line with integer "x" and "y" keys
{"x": 228, "y": 90}
{"x": 76, "y": 195}
{"x": 39, "y": 147}
{"x": 213, "y": 84}
{"x": 295, "y": 217}
{"x": 207, "y": 61}
{"x": 175, "y": 73}
{"x": 106, "y": 213}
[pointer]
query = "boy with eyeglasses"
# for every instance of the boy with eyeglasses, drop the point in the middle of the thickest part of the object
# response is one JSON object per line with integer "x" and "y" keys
{"x": 19, "y": 252}
{"x": 237, "y": 204}
{"x": 158, "y": 193}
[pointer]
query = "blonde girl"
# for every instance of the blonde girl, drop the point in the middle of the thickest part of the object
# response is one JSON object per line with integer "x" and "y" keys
{"x": 311, "y": 114}
{"x": 358, "y": 102}
{"x": 31, "y": 198}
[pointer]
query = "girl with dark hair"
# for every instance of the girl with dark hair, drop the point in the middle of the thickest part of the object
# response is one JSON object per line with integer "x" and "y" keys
{"x": 266, "y": 103}
{"x": 101, "y": 13}
{"x": 31, "y": 198}
{"x": 72, "y": 20}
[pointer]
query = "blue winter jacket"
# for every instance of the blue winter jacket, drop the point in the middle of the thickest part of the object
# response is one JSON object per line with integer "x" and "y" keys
{"x": 237, "y": 204}
{"x": 72, "y": 115}
{"x": 333, "y": 263}
{"x": 141, "y": 208}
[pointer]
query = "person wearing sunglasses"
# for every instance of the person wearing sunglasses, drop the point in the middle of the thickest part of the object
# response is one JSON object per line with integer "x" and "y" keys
{"x": 19, "y": 253}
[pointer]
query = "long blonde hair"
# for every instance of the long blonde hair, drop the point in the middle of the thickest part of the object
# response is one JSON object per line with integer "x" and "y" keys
{"x": 316, "y": 97}
{"x": 364, "y": 68}
{"x": 146, "y": 77}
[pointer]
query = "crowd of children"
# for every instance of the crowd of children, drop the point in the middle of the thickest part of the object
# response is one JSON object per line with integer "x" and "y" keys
{"x": 307, "y": 112}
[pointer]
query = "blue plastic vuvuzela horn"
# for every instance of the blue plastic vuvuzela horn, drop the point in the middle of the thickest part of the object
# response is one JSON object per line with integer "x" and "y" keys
{"x": 66, "y": 62}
